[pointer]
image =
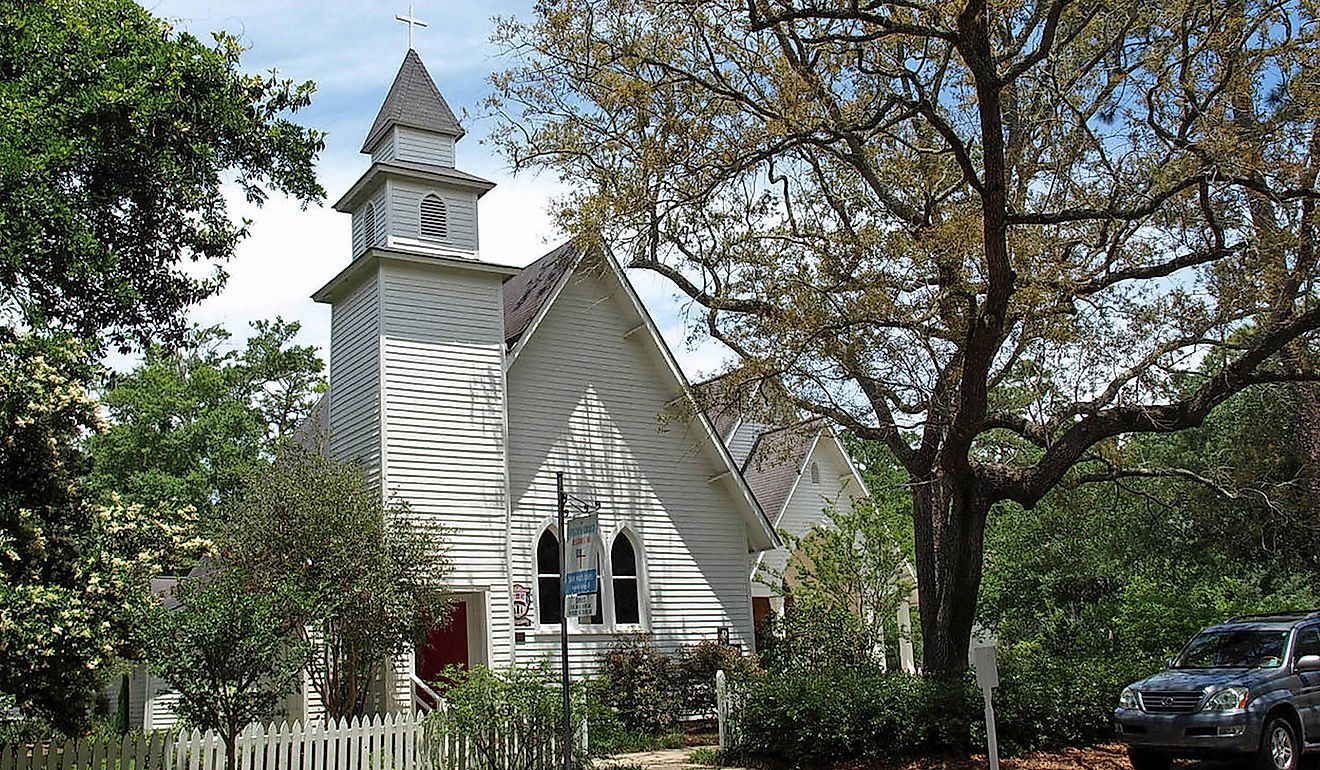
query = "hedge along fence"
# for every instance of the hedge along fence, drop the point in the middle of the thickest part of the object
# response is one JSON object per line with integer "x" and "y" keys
{"x": 819, "y": 718}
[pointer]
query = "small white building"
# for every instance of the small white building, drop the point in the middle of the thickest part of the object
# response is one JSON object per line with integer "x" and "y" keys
{"x": 799, "y": 473}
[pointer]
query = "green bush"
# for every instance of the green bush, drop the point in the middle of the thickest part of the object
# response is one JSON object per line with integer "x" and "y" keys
{"x": 640, "y": 685}
{"x": 815, "y": 635}
{"x": 825, "y": 717}
{"x": 696, "y": 666}
{"x": 488, "y": 707}
{"x": 822, "y": 718}
{"x": 1045, "y": 701}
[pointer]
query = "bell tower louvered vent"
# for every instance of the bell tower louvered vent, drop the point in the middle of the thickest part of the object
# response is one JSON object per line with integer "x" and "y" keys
{"x": 435, "y": 218}
{"x": 369, "y": 225}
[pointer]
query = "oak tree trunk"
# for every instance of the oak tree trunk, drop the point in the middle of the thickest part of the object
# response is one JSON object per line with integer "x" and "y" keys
{"x": 949, "y": 525}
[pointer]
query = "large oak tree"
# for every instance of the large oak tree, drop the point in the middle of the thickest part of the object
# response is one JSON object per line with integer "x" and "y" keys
{"x": 996, "y": 235}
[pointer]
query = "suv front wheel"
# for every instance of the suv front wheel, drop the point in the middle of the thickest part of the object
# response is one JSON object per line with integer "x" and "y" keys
{"x": 1148, "y": 759}
{"x": 1278, "y": 746}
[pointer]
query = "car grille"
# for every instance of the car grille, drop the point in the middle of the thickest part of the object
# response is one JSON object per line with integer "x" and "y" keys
{"x": 1170, "y": 702}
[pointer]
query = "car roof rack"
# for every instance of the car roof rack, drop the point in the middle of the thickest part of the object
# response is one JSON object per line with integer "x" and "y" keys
{"x": 1279, "y": 615}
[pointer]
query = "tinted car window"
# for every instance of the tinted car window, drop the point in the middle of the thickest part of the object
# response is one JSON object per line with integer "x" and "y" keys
{"x": 1235, "y": 648}
{"x": 1308, "y": 642}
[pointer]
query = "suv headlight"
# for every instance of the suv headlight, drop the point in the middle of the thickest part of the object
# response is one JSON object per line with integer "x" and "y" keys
{"x": 1128, "y": 699}
{"x": 1228, "y": 699}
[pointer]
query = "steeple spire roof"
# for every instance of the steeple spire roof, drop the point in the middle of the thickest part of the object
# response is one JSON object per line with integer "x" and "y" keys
{"x": 413, "y": 101}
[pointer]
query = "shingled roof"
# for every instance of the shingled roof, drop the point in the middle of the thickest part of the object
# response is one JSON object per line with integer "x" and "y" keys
{"x": 413, "y": 101}
{"x": 724, "y": 412}
{"x": 529, "y": 290}
{"x": 775, "y": 463}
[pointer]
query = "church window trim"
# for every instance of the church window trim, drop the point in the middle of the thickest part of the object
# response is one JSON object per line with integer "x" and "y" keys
{"x": 433, "y": 217}
{"x": 547, "y": 578}
{"x": 546, "y": 596}
{"x": 635, "y": 582}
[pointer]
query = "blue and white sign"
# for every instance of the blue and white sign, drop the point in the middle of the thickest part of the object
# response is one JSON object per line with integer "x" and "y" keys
{"x": 582, "y": 582}
{"x": 580, "y": 585}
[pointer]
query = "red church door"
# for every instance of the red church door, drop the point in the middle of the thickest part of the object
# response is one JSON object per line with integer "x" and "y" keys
{"x": 446, "y": 646}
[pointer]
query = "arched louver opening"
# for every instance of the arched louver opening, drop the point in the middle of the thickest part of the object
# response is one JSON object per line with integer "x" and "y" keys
{"x": 815, "y": 473}
{"x": 369, "y": 225}
{"x": 435, "y": 218}
{"x": 623, "y": 569}
{"x": 547, "y": 578}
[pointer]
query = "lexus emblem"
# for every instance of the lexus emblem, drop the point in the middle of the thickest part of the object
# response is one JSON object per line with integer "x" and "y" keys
{"x": 1167, "y": 702}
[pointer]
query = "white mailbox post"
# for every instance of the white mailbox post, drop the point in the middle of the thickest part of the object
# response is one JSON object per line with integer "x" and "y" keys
{"x": 986, "y": 664}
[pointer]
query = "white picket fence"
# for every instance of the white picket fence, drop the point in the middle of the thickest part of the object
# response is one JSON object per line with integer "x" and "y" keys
{"x": 394, "y": 742}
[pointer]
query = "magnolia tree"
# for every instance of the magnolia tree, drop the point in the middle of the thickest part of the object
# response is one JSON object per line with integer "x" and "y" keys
{"x": 997, "y": 237}
{"x": 74, "y": 574}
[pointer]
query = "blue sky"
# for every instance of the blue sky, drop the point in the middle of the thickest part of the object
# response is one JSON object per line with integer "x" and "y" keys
{"x": 352, "y": 51}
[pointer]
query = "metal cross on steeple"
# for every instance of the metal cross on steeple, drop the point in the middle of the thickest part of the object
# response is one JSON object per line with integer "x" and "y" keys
{"x": 412, "y": 21}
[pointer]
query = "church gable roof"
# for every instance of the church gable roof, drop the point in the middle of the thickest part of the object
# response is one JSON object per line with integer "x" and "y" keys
{"x": 413, "y": 101}
{"x": 526, "y": 293}
{"x": 530, "y": 296}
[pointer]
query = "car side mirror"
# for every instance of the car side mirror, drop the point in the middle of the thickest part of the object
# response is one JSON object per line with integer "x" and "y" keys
{"x": 1168, "y": 662}
{"x": 1308, "y": 663}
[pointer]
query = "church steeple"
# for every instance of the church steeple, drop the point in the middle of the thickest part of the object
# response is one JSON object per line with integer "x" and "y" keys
{"x": 413, "y": 102}
{"x": 413, "y": 198}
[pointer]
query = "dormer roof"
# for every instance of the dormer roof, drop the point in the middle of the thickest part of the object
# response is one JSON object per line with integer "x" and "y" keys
{"x": 415, "y": 102}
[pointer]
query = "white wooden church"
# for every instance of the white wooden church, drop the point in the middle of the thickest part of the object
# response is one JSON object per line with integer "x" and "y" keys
{"x": 463, "y": 386}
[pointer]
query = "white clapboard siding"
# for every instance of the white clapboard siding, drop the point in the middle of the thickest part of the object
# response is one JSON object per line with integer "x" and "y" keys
{"x": 355, "y": 372}
{"x": 743, "y": 439}
{"x": 585, "y": 399}
{"x": 444, "y": 434}
{"x": 405, "y": 212}
{"x": 809, "y": 505}
{"x": 386, "y": 148}
{"x": 417, "y": 146}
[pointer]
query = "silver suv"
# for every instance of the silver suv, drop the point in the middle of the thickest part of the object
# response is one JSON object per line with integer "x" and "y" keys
{"x": 1246, "y": 687}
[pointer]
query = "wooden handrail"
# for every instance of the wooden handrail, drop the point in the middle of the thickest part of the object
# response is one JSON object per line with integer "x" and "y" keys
{"x": 425, "y": 698}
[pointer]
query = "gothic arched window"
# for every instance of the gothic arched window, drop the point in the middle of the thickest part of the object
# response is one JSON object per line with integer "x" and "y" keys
{"x": 623, "y": 573}
{"x": 435, "y": 218}
{"x": 547, "y": 578}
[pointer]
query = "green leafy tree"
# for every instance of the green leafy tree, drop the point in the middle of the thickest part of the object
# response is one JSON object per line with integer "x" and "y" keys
{"x": 1131, "y": 569}
{"x": 190, "y": 423}
{"x": 117, "y": 134}
{"x": 363, "y": 580}
{"x": 946, "y": 225}
{"x": 74, "y": 574}
{"x": 229, "y": 649}
{"x": 849, "y": 563}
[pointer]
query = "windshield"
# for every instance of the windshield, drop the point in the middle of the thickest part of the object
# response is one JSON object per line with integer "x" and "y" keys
{"x": 1235, "y": 648}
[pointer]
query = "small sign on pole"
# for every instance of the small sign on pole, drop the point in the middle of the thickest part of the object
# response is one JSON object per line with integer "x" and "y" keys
{"x": 986, "y": 663}
{"x": 583, "y": 578}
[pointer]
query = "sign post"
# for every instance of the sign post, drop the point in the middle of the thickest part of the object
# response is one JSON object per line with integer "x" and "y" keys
{"x": 986, "y": 663}
{"x": 577, "y": 589}
{"x": 563, "y": 618}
